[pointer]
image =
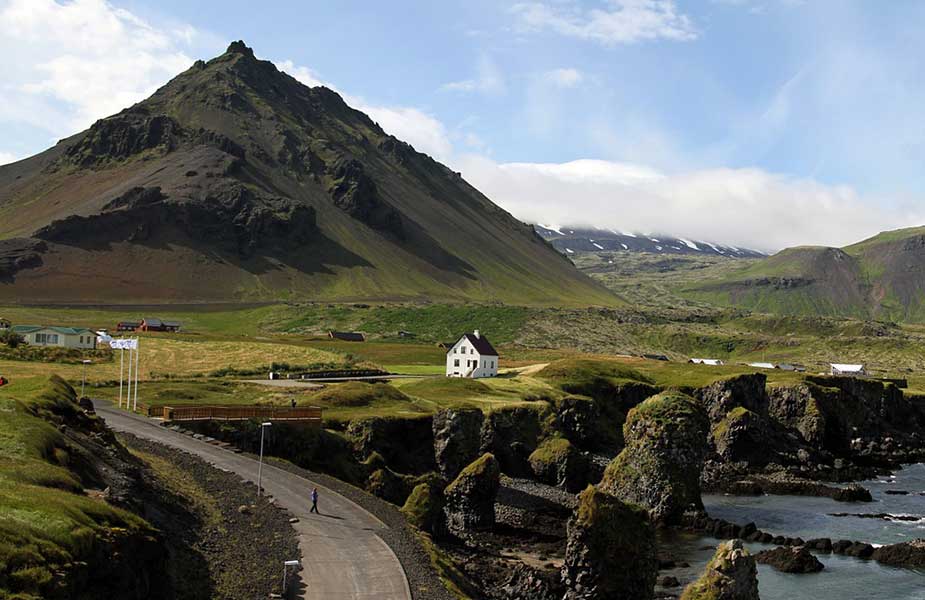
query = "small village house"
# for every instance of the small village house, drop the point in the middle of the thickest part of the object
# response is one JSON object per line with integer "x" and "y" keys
{"x": 155, "y": 324}
{"x": 713, "y": 362}
{"x": 128, "y": 325}
{"x": 844, "y": 370}
{"x": 347, "y": 336}
{"x": 472, "y": 356}
{"x": 62, "y": 337}
{"x": 762, "y": 365}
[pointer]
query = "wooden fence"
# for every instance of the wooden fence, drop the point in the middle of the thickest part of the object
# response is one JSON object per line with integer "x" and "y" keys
{"x": 305, "y": 414}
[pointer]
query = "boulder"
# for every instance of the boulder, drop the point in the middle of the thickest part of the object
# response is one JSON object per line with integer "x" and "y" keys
{"x": 660, "y": 467}
{"x": 578, "y": 419}
{"x": 512, "y": 434}
{"x": 790, "y": 560}
{"x": 852, "y": 493}
{"x": 557, "y": 462}
{"x": 457, "y": 437}
{"x": 388, "y": 485}
{"x": 470, "y": 498}
{"x": 731, "y": 575}
{"x": 910, "y": 555}
{"x": 611, "y": 550}
{"x": 743, "y": 436}
{"x": 424, "y": 508}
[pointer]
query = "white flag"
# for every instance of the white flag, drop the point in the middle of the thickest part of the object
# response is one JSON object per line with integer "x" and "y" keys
{"x": 123, "y": 344}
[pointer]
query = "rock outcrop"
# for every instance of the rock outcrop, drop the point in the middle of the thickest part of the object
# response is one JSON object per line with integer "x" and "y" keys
{"x": 557, "y": 462}
{"x": 424, "y": 508}
{"x": 743, "y": 391}
{"x": 852, "y": 493}
{"x": 470, "y": 498}
{"x": 611, "y": 550}
{"x": 457, "y": 437}
{"x": 790, "y": 560}
{"x": 512, "y": 434}
{"x": 405, "y": 444}
{"x": 910, "y": 555}
{"x": 660, "y": 466}
{"x": 730, "y": 575}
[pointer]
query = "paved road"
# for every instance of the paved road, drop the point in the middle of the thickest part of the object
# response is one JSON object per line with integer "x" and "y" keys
{"x": 342, "y": 557}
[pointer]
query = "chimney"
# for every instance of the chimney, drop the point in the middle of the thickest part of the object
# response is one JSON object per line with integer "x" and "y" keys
{"x": 476, "y": 334}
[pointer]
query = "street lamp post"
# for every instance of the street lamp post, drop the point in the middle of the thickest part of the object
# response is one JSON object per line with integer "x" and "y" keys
{"x": 263, "y": 428}
{"x": 83, "y": 383}
{"x": 289, "y": 563}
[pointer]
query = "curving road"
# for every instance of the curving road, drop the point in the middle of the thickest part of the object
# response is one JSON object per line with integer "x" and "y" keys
{"x": 342, "y": 556}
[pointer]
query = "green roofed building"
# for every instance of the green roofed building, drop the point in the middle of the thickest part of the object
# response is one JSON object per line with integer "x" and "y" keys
{"x": 64, "y": 337}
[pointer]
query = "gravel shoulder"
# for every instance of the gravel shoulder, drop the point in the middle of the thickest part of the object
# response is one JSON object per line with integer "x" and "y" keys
{"x": 222, "y": 545}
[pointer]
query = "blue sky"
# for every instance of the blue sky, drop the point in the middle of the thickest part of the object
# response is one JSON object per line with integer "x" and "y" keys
{"x": 760, "y": 123}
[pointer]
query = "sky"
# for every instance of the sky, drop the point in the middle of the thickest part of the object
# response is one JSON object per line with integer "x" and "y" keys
{"x": 755, "y": 123}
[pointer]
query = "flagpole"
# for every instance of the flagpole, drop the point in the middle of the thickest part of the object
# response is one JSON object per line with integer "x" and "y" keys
{"x": 121, "y": 371}
{"x": 128, "y": 396}
{"x": 137, "y": 360}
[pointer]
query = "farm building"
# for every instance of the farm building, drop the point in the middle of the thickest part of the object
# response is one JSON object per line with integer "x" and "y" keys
{"x": 154, "y": 324}
{"x": 347, "y": 336}
{"x": 661, "y": 357}
{"x": 472, "y": 356}
{"x": 128, "y": 325}
{"x": 713, "y": 362}
{"x": 64, "y": 337}
{"x": 847, "y": 370}
{"x": 762, "y": 365}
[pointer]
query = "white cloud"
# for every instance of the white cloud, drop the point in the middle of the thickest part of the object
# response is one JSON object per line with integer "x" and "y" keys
{"x": 622, "y": 22}
{"x": 7, "y": 158}
{"x": 81, "y": 61}
{"x": 564, "y": 78}
{"x": 490, "y": 80}
{"x": 742, "y": 207}
{"x": 423, "y": 131}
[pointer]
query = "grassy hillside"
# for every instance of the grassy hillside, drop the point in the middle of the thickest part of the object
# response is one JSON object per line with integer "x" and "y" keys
{"x": 882, "y": 277}
{"x": 235, "y": 182}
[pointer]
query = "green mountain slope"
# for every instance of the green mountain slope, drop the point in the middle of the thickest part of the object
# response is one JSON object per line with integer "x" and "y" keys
{"x": 882, "y": 278}
{"x": 235, "y": 182}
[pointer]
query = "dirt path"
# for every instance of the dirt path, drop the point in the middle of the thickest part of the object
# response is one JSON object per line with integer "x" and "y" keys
{"x": 342, "y": 555}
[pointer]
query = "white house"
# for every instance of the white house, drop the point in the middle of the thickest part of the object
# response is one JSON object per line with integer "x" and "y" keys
{"x": 64, "y": 337}
{"x": 847, "y": 370}
{"x": 762, "y": 365}
{"x": 472, "y": 356}
{"x": 713, "y": 362}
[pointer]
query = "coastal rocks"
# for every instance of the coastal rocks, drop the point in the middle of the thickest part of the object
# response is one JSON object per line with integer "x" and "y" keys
{"x": 790, "y": 560}
{"x": 730, "y": 575}
{"x": 527, "y": 583}
{"x": 457, "y": 437}
{"x": 557, "y": 462}
{"x": 910, "y": 555}
{"x": 611, "y": 550}
{"x": 405, "y": 444}
{"x": 470, "y": 498}
{"x": 855, "y": 549}
{"x": 424, "y": 508}
{"x": 578, "y": 419}
{"x": 743, "y": 391}
{"x": 743, "y": 435}
{"x": 660, "y": 466}
{"x": 511, "y": 435}
{"x": 853, "y": 493}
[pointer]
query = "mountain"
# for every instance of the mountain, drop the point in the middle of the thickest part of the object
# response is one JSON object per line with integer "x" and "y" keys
{"x": 235, "y": 182}
{"x": 881, "y": 278}
{"x": 572, "y": 240}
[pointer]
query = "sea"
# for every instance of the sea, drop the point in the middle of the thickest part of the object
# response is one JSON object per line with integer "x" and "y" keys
{"x": 843, "y": 578}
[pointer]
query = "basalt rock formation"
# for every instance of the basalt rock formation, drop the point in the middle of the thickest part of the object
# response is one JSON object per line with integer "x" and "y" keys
{"x": 470, "y": 498}
{"x": 611, "y": 550}
{"x": 661, "y": 464}
{"x": 457, "y": 437}
{"x": 730, "y": 575}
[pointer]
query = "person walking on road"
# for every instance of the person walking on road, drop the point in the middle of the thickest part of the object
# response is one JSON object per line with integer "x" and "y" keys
{"x": 314, "y": 501}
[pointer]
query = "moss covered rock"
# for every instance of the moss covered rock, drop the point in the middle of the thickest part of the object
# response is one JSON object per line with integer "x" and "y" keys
{"x": 557, "y": 462}
{"x": 388, "y": 485}
{"x": 611, "y": 550}
{"x": 730, "y": 575}
{"x": 511, "y": 434}
{"x": 457, "y": 438}
{"x": 424, "y": 508}
{"x": 470, "y": 498}
{"x": 661, "y": 464}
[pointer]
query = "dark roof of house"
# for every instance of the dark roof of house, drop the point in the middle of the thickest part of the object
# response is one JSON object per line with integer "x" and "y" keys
{"x": 152, "y": 322}
{"x": 135, "y": 323}
{"x": 481, "y": 344}
{"x": 348, "y": 336}
{"x": 172, "y": 324}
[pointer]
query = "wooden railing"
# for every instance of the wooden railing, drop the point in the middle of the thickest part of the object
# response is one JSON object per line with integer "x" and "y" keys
{"x": 308, "y": 414}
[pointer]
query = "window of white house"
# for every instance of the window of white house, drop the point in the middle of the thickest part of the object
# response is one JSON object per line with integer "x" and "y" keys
{"x": 456, "y": 363}
{"x": 46, "y": 338}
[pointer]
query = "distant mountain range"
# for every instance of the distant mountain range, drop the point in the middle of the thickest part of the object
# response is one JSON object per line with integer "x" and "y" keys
{"x": 570, "y": 240}
{"x": 881, "y": 278}
{"x": 235, "y": 182}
